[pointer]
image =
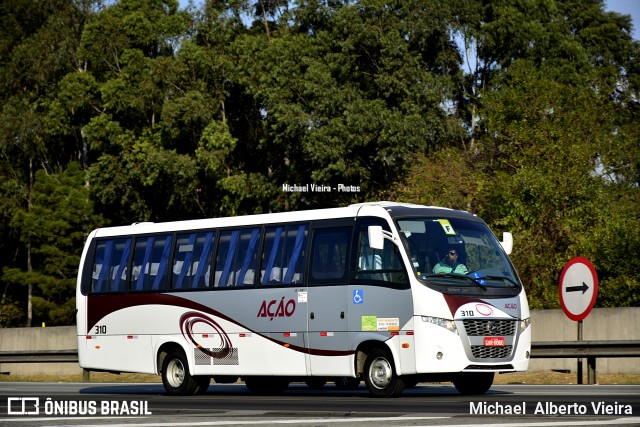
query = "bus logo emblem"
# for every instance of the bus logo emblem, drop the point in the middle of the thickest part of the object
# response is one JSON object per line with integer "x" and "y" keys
{"x": 277, "y": 309}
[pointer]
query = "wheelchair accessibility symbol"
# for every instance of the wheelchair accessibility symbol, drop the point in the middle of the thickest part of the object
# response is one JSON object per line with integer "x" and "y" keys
{"x": 358, "y": 296}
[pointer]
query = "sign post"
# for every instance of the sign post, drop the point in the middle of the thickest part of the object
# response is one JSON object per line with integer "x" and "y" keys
{"x": 578, "y": 291}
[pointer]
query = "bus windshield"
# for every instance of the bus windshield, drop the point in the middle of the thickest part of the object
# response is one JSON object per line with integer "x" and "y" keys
{"x": 456, "y": 253}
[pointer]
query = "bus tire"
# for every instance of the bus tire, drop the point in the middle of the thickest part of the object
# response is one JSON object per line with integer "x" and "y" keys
{"x": 473, "y": 383}
{"x": 203, "y": 382}
{"x": 176, "y": 378}
{"x": 380, "y": 375}
{"x": 266, "y": 386}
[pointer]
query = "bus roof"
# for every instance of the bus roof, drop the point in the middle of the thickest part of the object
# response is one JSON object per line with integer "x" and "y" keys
{"x": 383, "y": 209}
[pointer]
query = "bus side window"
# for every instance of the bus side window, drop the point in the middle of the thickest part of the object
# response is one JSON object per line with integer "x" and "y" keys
{"x": 329, "y": 254}
{"x": 150, "y": 263}
{"x": 110, "y": 265}
{"x": 283, "y": 255}
{"x": 192, "y": 260}
{"x": 379, "y": 265}
{"x": 237, "y": 257}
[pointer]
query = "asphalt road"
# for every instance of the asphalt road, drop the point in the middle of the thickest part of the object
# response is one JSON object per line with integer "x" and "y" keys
{"x": 82, "y": 404}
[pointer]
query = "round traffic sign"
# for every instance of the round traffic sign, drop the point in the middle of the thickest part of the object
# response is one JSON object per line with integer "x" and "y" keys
{"x": 578, "y": 288}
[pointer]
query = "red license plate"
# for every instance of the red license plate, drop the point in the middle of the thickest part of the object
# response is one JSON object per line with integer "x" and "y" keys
{"x": 494, "y": 341}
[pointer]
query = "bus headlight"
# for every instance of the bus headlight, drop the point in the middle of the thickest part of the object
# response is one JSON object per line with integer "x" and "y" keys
{"x": 444, "y": 323}
{"x": 524, "y": 324}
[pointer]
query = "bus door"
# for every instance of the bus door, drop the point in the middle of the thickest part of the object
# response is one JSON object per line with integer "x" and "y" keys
{"x": 381, "y": 305}
{"x": 327, "y": 300}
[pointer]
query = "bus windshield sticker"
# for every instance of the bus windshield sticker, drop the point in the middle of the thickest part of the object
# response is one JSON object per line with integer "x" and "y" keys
{"x": 446, "y": 226}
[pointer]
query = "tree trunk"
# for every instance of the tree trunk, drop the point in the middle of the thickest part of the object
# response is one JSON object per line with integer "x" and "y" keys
{"x": 29, "y": 265}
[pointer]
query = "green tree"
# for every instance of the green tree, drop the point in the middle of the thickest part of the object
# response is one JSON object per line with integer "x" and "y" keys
{"x": 39, "y": 43}
{"x": 549, "y": 104}
{"x": 349, "y": 92}
{"x": 160, "y": 113}
{"x": 55, "y": 226}
{"x": 543, "y": 138}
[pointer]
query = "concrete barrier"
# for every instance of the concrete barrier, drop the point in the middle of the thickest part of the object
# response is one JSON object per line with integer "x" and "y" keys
{"x": 601, "y": 324}
{"x": 50, "y": 338}
{"x": 548, "y": 325}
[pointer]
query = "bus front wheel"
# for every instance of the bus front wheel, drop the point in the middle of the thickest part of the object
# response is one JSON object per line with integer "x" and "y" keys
{"x": 473, "y": 383}
{"x": 380, "y": 375}
{"x": 176, "y": 378}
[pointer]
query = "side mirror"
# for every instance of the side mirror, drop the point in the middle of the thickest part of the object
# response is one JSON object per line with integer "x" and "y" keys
{"x": 507, "y": 242}
{"x": 376, "y": 237}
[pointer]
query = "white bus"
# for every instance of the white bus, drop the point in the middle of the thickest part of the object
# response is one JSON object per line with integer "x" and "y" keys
{"x": 389, "y": 293}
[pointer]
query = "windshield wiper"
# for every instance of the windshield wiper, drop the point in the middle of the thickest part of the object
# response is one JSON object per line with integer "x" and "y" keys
{"x": 477, "y": 282}
{"x": 508, "y": 279}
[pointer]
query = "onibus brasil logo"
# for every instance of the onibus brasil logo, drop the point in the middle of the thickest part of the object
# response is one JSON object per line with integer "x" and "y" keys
{"x": 49, "y": 406}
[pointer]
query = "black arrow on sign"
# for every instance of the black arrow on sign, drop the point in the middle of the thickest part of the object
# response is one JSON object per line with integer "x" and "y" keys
{"x": 584, "y": 288}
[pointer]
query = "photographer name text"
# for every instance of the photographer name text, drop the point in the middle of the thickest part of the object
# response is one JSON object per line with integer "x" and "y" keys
{"x": 317, "y": 188}
{"x": 549, "y": 408}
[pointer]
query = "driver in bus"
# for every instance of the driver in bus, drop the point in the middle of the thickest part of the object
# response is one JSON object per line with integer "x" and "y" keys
{"x": 450, "y": 264}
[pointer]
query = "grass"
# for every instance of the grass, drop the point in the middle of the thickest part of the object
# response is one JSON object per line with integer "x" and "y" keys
{"x": 546, "y": 377}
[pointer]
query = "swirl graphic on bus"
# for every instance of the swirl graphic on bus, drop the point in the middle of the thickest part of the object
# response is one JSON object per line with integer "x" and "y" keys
{"x": 190, "y": 319}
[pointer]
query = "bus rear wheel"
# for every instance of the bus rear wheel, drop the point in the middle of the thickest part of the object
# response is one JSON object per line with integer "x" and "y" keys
{"x": 380, "y": 375}
{"x": 176, "y": 378}
{"x": 473, "y": 383}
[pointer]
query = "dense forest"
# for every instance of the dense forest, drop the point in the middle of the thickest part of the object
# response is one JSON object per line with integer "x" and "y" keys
{"x": 525, "y": 112}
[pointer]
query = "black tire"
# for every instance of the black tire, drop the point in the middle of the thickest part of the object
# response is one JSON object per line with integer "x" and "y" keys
{"x": 347, "y": 383}
{"x": 380, "y": 375}
{"x": 203, "y": 384}
{"x": 176, "y": 378}
{"x": 315, "y": 383}
{"x": 266, "y": 386}
{"x": 473, "y": 383}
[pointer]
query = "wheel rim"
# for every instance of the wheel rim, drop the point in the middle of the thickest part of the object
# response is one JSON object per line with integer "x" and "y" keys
{"x": 175, "y": 373}
{"x": 380, "y": 373}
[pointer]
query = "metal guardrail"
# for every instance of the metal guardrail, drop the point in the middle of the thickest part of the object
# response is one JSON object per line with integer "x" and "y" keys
{"x": 39, "y": 356}
{"x": 591, "y": 350}
{"x": 43, "y": 356}
{"x": 556, "y": 349}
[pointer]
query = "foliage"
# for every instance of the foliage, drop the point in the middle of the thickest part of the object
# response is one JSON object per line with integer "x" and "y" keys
{"x": 54, "y": 226}
{"x": 545, "y": 127}
{"x": 524, "y": 112}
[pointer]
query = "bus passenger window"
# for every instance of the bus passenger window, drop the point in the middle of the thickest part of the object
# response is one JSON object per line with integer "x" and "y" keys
{"x": 110, "y": 266}
{"x": 150, "y": 263}
{"x": 329, "y": 254}
{"x": 283, "y": 255}
{"x": 237, "y": 257}
{"x": 192, "y": 260}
